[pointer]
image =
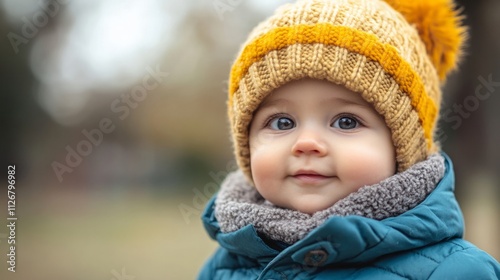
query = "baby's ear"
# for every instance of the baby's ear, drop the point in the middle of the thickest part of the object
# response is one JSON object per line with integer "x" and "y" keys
{"x": 439, "y": 24}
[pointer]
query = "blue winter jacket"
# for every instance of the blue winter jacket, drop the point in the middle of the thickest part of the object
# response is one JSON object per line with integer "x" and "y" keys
{"x": 422, "y": 243}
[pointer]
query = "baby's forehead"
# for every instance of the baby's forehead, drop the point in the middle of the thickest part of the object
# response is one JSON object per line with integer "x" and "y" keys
{"x": 320, "y": 90}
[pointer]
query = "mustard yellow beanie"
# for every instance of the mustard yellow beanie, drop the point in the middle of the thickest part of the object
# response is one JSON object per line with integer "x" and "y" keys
{"x": 396, "y": 54}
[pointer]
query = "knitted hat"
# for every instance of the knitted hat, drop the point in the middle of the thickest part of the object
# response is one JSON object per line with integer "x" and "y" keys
{"x": 394, "y": 53}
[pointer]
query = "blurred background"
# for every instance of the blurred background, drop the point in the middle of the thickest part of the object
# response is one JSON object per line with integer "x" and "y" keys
{"x": 113, "y": 113}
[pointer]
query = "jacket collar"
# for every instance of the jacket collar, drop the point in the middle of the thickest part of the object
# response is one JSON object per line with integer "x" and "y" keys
{"x": 353, "y": 239}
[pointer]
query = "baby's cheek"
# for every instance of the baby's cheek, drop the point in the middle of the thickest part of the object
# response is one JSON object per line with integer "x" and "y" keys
{"x": 367, "y": 167}
{"x": 262, "y": 164}
{"x": 264, "y": 176}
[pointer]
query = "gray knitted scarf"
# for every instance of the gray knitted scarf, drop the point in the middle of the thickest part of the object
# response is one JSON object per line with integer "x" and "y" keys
{"x": 239, "y": 204}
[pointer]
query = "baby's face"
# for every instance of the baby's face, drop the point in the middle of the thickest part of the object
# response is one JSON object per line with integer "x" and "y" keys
{"x": 313, "y": 142}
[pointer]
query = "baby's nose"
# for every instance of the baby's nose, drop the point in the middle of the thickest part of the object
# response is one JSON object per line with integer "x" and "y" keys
{"x": 309, "y": 143}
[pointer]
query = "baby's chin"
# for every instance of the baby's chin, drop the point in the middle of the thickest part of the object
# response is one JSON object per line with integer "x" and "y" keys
{"x": 309, "y": 205}
{"x": 310, "y": 210}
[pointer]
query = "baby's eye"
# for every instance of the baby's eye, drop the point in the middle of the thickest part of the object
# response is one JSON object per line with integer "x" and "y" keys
{"x": 346, "y": 123}
{"x": 281, "y": 123}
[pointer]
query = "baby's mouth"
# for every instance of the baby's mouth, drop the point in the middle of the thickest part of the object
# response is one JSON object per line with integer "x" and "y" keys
{"x": 309, "y": 177}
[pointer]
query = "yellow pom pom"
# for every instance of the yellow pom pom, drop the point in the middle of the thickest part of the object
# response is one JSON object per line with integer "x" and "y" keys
{"x": 439, "y": 26}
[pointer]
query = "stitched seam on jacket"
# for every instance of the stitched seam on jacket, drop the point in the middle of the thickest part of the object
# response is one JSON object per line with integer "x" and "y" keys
{"x": 459, "y": 245}
{"x": 458, "y": 251}
{"x": 390, "y": 271}
{"x": 427, "y": 257}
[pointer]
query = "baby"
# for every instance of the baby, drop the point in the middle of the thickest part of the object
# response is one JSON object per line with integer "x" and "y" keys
{"x": 313, "y": 142}
{"x": 333, "y": 107}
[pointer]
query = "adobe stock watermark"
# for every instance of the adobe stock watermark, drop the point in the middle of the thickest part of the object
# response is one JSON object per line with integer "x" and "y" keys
{"x": 470, "y": 104}
{"x": 31, "y": 26}
{"x": 122, "y": 107}
{"x": 224, "y": 6}
{"x": 201, "y": 198}
{"x": 121, "y": 276}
